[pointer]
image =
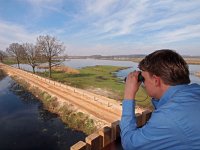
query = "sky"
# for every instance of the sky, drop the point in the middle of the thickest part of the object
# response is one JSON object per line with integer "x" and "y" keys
{"x": 104, "y": 27}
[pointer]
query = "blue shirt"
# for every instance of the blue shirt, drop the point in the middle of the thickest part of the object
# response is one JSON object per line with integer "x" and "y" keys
{"x": 174, "y": 124}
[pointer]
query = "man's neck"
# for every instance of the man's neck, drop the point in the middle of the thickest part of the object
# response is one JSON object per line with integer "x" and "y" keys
{"x": 163, "y": 88}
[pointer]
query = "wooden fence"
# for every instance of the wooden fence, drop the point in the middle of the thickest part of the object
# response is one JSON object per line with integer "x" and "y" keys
{"x": 107, "y": 135}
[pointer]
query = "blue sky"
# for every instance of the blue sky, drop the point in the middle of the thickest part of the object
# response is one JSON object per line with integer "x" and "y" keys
{"x": 106, "y": 27}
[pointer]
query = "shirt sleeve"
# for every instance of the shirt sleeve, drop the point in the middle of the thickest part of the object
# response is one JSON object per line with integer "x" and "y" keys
{"x": 157, "y": 133}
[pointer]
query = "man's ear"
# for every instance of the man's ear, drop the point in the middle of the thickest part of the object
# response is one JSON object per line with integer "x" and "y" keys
{"x": 157, "y": 81}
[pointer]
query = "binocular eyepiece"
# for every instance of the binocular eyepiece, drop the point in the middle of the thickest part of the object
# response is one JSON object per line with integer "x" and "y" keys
{"x": 140, "y": 77}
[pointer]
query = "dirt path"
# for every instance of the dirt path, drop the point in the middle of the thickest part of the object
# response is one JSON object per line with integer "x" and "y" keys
{"x": 98, "y": 106}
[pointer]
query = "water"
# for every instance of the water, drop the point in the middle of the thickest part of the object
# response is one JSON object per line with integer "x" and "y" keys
{"x": 29, "y": 68}
{"x": 24, "y": 124}
{"x": 193, "y": 68}
{"x": 80, "y": 63}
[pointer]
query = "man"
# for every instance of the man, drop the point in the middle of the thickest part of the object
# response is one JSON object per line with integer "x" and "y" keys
{"x": 175, "y": 122}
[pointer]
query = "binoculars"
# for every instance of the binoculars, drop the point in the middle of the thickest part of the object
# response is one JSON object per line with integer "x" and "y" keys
{"x": 140, "y": 77}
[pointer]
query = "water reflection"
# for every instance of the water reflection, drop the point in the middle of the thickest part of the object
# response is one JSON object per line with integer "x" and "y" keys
{"x": 25, "y": 96}
{"x": 24, "y": 124}
{"x": 44, "y": 115}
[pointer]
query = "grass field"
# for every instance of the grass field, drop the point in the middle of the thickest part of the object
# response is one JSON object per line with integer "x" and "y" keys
{"x": 9, "y": 61}
{"x": 101, "y": 80}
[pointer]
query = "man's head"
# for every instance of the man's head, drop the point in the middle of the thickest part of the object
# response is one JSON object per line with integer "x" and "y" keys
{"x": 168, "y": 65}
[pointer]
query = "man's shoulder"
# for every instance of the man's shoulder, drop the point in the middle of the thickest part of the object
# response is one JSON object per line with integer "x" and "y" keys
{"x": 191, "y": 89}
{"x": 193, "y": 86}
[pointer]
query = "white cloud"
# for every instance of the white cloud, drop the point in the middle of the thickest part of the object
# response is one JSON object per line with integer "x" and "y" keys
{"x": 154, "y": 25}
{"x": 41, "y": 8}
{"x": 181, "y": 34}
{"x": 14, "y": 33}
{"x": 99, "y": 7}
{"x": 128, "y": 26}
{"x": 123, "y": 20}
{"x": 43, "y": 3}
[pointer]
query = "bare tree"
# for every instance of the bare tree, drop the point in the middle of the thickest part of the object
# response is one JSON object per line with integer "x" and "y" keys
{"x": 50, "y": 47}
{"x": 2, "y": 55}
{"x": 32, "y": 55}
{"x": 16, "y": 50}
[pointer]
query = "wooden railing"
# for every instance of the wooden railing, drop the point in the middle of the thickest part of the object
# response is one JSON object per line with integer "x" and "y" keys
{"x": 107, "y": 135}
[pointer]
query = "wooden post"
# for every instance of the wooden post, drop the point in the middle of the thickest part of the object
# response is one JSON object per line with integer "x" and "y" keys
{"x": 106, "y": 134}
{"x": 94, "y": 142}
{"x": 139, "y": 119}
{"x": 115, "y": 130}
{"x": 79, "y": 146}
{"x": 145, "y": 116}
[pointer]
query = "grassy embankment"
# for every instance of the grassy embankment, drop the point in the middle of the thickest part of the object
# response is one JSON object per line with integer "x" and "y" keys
{"x": 73, "y": 119}
{"x": 10, "y": 61}
{"x": 100, "y": 80}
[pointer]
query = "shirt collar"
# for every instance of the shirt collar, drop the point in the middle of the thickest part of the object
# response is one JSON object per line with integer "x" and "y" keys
{"x": 169, "y": 94}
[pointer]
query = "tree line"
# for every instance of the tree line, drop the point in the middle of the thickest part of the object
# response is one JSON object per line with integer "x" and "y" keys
{"x": 44, "y": 50}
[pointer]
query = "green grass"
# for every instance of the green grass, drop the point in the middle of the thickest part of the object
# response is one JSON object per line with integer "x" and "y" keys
{"x": 9, "y": 61}
{"x": 92, "y": 77}
{"x": 99, "y": 77}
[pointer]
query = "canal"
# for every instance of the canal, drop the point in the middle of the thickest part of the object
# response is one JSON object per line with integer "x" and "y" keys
{"x": 26, "y": 125}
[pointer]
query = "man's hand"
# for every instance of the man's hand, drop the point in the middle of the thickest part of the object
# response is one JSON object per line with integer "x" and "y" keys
{"x": 131, "y": 86}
